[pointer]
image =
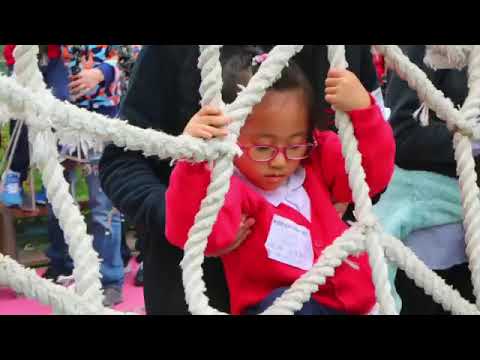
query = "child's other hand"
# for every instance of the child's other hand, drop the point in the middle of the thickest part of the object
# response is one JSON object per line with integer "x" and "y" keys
{"x": 345, "y": 92}
{"x": 208, "y": 123}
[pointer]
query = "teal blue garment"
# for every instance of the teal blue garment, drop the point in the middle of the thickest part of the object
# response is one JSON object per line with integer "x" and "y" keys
{"x": 417, "y": 200}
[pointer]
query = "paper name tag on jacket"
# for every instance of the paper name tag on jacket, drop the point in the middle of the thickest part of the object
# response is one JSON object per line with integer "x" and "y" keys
{"x": 289, "y": 243}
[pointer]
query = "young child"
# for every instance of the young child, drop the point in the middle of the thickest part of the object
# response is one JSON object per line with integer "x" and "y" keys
{"x": 286, "y": 180}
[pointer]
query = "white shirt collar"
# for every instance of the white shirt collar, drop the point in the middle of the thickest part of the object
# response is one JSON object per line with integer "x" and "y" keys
{"x": 290, "y": 193}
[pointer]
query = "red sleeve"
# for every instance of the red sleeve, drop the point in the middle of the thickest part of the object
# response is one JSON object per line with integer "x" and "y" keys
{"x": 8, "y": 54}
{"x": 376, "y": 144}
{"x": 188, "y": 187}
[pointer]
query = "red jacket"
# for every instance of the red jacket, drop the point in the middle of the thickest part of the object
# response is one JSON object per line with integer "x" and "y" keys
{"x": 53, "y": 53}
{"x": 251, "y": 275}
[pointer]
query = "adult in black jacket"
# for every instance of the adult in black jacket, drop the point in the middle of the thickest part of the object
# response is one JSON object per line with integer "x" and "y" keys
{"x": 428, "y": 149}
{"x": 164, "y": 95}
{"x": 423, "y": 148}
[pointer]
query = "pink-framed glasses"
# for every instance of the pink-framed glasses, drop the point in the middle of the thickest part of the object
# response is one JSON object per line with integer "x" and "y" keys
{"x": 266, "y": 153}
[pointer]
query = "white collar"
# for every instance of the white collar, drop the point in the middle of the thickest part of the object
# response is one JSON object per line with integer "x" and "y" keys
{"x": 290, "y": 193}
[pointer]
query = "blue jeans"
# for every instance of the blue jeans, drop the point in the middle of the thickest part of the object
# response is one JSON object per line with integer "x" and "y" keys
{"x": 105, "y": 226}
{"x": 311, "y": 307}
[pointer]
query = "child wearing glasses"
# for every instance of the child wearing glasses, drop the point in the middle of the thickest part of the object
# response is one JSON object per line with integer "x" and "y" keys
{"x": 287, "y": 180}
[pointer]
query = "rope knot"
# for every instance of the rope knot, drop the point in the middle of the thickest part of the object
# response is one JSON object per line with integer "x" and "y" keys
{"x": 369, "y": 225}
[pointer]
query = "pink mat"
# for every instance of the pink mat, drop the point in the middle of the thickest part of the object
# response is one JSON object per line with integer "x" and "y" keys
{"x": 12, "y": 304}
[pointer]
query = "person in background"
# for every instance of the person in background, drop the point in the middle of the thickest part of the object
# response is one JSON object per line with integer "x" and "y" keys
{"x": 94, "y": 86}
{"x": 422, "y": 205}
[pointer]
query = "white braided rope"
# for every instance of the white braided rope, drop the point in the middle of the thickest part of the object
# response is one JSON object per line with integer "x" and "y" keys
{"x": 64, "y": 117}
{"x": 447, "y": 56}
{"x": 466, "y": 171}
{"x": 360, "y": 194}
{"x": 86, "y": 262}
{"x": 292, "y": 300}
{"x": 222, "y": 171}
{"x": 42, "y": 113}
{"x": 63, "y": 300}
{"x": 427, "y": 92}
{"x": 471, "y": 206}
{"x": 211, "y": 72}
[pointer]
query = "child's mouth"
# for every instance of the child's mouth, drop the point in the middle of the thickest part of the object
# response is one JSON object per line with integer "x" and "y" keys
{"x": 275, "y": 178}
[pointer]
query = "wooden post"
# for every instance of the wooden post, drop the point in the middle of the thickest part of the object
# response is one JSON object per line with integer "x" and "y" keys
{"x": 8, "y": 241}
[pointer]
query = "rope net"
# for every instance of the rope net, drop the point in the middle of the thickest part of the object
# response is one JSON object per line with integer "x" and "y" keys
{"x": 25, "y": 97}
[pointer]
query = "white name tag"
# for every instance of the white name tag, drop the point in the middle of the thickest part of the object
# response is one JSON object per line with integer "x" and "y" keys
{"x": 290, "y": 243}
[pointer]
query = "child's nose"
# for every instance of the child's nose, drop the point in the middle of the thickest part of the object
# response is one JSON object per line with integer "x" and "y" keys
{"x": 279, "y": 160}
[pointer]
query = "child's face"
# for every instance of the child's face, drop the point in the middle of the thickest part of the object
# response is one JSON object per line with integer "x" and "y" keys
{"x": 281, "y": 119}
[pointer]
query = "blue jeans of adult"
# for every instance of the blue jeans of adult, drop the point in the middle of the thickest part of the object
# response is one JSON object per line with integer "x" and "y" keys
{"x": 55, "y": 75}
{"x": 105, "y": 226}
{"x": 311, "y": 307}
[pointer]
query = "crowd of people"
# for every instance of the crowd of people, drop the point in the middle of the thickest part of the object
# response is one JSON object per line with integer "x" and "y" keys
{"x": 289, "y": 197}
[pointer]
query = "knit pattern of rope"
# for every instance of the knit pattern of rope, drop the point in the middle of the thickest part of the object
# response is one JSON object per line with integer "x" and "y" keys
{"x": 86, "y": 270}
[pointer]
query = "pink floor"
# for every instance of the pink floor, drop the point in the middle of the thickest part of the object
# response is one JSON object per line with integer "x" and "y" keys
{"x": 12, "y": 304}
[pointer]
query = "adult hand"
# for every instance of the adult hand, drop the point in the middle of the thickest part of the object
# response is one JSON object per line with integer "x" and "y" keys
{"x": 85, "y": 81}
{"x": 243, "y": 232}
{"x": 208, "y": 123}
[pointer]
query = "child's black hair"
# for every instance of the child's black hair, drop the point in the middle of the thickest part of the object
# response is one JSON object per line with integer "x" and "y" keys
{"x": 238, "y": 68}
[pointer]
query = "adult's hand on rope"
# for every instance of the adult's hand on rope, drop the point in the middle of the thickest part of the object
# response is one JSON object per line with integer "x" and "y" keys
{"x": 208, "y": 123}
{"x": 345, "y": 92}
{"x": 85, "y": 81}
{"x": 243, "y": 233}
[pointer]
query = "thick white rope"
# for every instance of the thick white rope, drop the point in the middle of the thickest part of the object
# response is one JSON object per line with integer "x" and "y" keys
{"x": 361, "y": 197}
{"x": 62, "y": 300}
{"x": 211, "y": 73}
{"x": 67, "y": 118}
{"x": 86, "y": 270}
{"x": 471, "y": 206}
{"x": 471, "y": 106}
{"x": 425, "y": 278}
{"x": 427, "y": 92}
{"x": 350, "y": 243}
{"x": 466, "y": 171}
{"x": 222, "y": 171}
{"x": 447, "y": 56}
{"x": 41, "y": 112}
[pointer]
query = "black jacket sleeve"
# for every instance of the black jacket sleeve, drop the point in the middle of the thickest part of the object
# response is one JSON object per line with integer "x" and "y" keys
{"x": 418, "y": 148}
{"x": 130, "y": 180}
